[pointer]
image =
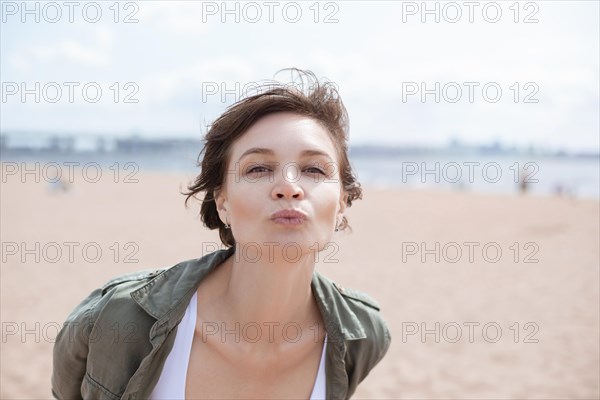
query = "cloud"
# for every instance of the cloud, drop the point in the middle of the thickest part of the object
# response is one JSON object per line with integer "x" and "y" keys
{"x": 94, "y": 54}
{"x": 19, "y": 63}
{"x": 185, "y": 18}
{"x": 163, "y": 86}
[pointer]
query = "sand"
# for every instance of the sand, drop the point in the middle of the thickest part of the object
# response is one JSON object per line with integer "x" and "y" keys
{"x": 527, "y": 329}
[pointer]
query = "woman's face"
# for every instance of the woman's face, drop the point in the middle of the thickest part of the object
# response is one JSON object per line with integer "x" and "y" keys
{"x": 284, "y": 161}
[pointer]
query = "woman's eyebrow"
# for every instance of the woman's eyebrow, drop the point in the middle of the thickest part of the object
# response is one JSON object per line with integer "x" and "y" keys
{"x": 314, "y": 152}
{"x": 256, "y": 150}
{"x": 303, "y": 153}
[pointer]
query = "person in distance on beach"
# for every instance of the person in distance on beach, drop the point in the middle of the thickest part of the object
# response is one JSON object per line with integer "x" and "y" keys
{"x": 255, "y": 319}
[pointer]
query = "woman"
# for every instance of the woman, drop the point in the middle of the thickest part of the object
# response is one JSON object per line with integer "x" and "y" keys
{"x": 254, "y": 320}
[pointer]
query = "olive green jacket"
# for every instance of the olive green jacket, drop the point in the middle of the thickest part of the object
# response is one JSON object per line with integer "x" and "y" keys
{"x": 114, "y": 344}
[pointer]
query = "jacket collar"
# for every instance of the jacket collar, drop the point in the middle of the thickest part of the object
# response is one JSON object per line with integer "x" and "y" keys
{"x": 167, "y": 295}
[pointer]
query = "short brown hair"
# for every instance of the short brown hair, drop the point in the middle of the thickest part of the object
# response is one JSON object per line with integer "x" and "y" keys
{"x": 320, "y": 102}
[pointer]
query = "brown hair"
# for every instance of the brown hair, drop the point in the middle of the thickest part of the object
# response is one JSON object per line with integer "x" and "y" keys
{"x": 321, "y": 102}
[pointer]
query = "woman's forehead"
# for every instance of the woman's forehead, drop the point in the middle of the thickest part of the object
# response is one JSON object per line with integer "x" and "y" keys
{"x": 284, "y": 134}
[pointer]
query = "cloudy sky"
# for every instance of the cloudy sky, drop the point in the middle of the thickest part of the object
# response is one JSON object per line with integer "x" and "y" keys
{"x": 522, "y": 73}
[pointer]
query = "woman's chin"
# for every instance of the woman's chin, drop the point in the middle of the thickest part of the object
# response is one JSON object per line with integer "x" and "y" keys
{"x": 290, "y": 242}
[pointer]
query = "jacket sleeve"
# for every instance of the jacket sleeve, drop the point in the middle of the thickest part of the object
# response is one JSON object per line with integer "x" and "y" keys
{"x": 383, "y": 340}
{"x": 71, "y": 349}
{"x": 379, "y": 340}
{"x": 365, "y": 354}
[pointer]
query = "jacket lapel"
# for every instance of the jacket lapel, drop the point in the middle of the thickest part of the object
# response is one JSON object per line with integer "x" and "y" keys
{"x": 165, "y": 298}
{"x": 342, "y": 325}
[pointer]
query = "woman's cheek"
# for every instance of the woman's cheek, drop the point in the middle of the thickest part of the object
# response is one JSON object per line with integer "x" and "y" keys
{"x": 327, "y": 205}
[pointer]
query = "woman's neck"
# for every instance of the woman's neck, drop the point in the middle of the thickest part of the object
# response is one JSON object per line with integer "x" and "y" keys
{"x": 272, "y": 292}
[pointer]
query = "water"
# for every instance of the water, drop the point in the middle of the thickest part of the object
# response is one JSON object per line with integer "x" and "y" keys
{"x": 579, "y": 177}
{"x": 576, "y": 176}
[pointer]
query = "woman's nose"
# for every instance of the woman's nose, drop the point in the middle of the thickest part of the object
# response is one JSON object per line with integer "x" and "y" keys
{"x": 288, "y": 186}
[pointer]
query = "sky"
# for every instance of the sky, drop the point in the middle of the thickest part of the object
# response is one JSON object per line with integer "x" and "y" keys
{"x": 410, "y": 73}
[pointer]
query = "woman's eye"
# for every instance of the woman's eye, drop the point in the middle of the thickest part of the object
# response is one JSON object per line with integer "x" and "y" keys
{"x": 261, "y": 169}
{"x": 257, "y": 169}
{"x": 315, "y": 170}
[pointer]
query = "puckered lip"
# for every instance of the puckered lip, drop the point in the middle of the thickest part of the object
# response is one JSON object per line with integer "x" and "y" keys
{"x": 289, "y": 213}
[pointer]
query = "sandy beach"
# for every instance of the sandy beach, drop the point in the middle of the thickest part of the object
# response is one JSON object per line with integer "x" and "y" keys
{"x": 486, "y": 296}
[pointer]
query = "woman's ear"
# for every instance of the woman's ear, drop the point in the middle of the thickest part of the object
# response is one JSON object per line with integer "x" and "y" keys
{"x": 221, "y": 204}
{"x": 343, "y": 202}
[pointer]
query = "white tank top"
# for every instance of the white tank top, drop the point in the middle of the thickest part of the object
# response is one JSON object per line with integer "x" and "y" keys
{"x": 171, "y": 384}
